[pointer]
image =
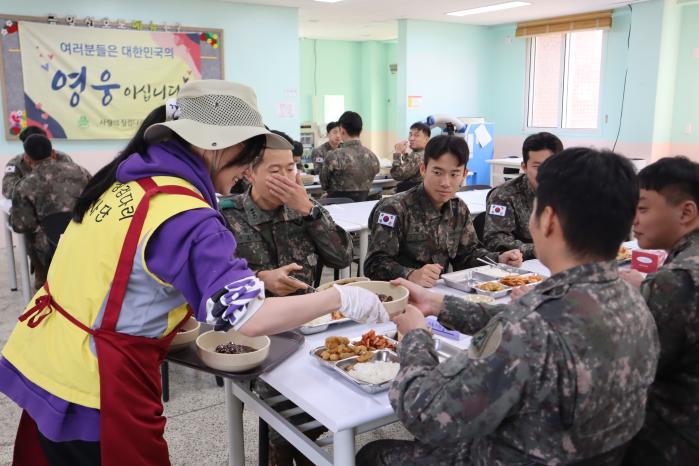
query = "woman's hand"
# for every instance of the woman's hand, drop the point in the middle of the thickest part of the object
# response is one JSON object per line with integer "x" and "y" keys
{"x": 361, "y": 305}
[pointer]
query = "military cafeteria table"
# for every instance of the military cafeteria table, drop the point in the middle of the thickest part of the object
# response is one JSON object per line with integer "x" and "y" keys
{"x": 344, "y": 410}
{"x": 380, "y": 181}
{"x": 27, "y": 289}
{"x": 358, "y": 213}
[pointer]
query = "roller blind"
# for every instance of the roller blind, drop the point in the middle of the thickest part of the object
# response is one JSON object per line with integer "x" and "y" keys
{"x": 582, "y": 22}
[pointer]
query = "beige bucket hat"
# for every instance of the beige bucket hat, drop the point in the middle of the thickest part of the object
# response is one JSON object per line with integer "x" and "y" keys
{"x": 214, "y": 114}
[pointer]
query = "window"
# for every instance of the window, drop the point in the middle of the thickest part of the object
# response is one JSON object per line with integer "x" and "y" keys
{"x": 564, "y": 80}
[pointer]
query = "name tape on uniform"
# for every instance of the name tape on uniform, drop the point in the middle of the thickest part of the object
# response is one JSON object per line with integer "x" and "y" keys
{"x": 388, "y": 220}
{"x": 498, "y": 210}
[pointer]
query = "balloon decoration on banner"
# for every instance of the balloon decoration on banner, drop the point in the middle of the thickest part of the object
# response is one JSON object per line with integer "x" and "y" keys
{"x": 18, "y": 121}
{"x": 210, "y": 38}
{"x": 10, "y": 27}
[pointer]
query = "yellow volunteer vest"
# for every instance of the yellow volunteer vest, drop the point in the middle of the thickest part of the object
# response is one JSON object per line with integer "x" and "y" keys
{"x": 56, "y": 355}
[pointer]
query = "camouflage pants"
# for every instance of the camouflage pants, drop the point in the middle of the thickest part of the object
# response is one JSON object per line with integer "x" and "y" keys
{"x": 410, "y": 453}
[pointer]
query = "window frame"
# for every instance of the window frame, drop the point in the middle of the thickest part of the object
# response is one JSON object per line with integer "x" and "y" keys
{"x": 564, "y": 88}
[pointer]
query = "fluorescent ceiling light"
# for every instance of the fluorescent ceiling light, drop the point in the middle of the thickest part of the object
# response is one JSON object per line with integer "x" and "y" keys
{"x": 488, "y": 9}
{"x": 328, "y": 1}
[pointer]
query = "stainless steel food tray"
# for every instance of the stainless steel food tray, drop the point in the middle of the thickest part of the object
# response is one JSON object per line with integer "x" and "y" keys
{"x": 344, "y": 365}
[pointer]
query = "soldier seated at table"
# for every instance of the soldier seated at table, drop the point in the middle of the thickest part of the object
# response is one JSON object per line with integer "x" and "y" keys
{"x": 279, "y": 230}
{"x": 560, "y": 375}
{"x": 52, "y": 186}
{"x": 334, "y": 141}
{"x": 510, "y": 204}
{"x": 668, "y": 218}
{"x": 408, "y": 156}
{"x": 349, "y": 171}
{"x": 417, "y": 234}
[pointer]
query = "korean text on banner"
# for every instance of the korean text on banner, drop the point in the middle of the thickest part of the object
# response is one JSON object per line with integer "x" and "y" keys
{"x": 84, "y": 83}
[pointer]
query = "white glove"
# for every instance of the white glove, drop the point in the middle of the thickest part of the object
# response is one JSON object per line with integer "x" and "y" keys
{"x": 361, "y": 305}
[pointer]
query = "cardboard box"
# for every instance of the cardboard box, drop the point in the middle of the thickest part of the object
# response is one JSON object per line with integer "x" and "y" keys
{"x": 647, "y": 260}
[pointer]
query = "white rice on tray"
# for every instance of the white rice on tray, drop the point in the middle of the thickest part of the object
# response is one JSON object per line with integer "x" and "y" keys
{"x": 376, "y": 372}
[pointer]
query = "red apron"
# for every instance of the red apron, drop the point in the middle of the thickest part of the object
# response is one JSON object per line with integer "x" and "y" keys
{"x": 131, "y": 421}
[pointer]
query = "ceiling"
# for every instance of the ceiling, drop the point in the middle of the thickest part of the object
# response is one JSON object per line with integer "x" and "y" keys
{"x": 377, "y": 19}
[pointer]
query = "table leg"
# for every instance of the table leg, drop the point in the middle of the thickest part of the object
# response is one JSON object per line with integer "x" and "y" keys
{"x": 263, "y": 443}
{"x": 345, "y": 273}
{"x": 363, "y": 247}
{"x": 9, "y": 251}
{"x": 27, "y": 288}
{"x": 343, "y": 448}
{"x": 234, "y": 414}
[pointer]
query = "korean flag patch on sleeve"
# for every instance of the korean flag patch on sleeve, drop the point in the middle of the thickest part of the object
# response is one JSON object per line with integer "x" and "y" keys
{"x": 388, "y": 220}
{"x": 10, "y": 169}
{"x": 498, "y": 210}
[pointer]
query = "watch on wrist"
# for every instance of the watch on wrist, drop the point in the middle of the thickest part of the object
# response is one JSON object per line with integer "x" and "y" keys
{"x": 314, "y": 214}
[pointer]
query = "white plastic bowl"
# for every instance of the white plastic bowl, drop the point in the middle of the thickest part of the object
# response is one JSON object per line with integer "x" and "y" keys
{"x": 208, "y": 341}
{"x": 187, "y": 334}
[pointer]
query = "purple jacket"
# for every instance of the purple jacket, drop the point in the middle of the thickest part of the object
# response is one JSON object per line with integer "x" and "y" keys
{"x": 193, "y": 251}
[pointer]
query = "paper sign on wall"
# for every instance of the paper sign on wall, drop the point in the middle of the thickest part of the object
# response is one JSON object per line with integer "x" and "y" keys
{"x": 414, "y": 101}
{"x": 286, "y": 110}
{"x": 483, "y": 136}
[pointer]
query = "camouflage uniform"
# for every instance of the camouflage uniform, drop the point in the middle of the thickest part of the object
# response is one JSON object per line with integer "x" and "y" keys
{"x": 272, "y": 239}
{"x": 17, "y": 168}
{"x": 318, "y": 156}
{"x": 349, "y": 169}
{"x": 407, "y": 232}
{"x": 558, "y": 377}
{"x": 507, "y": 217}
{"x": 53, "y": 186}
{"x": 670, "y": 435}
{"x": 406, "y": 167}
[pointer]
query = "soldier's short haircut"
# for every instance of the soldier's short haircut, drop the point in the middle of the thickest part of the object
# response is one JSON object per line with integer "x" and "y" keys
{"x": 296, "y": 151}
{"x": 37, "y": 147}
{"x": 541, "y": 141}
{"x": 331, "y": 126}
{"x": 443, "y": 144}
{"x": 675, "y": 178}
{"x": 29, "y": 130}
{"x": 594, "y": 193}
{"x": 351, "y": 122}
{"x": 422, "y": 127}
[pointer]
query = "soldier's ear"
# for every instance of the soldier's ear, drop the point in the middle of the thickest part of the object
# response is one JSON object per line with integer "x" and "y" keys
{"x": 689, "y": 212}
{"x": 248, "y": 174}
{"x": 423, "y": 168}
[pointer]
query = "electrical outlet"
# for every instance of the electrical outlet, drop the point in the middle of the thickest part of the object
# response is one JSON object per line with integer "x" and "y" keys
{"x": 688, "y": 129}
